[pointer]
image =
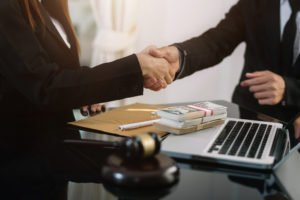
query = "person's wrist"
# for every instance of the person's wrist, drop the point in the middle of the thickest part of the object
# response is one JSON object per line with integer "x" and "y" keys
{"x": 179, "y": 54}
{"x": 140, "y": 58}
{"x": 182, "y": 59}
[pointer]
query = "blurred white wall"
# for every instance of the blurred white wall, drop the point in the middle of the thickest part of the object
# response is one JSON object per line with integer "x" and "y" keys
{"x": 163, "y": 22}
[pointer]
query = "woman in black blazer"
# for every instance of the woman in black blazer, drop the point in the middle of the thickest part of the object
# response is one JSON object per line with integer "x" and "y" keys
{"x": 41, "y": 80}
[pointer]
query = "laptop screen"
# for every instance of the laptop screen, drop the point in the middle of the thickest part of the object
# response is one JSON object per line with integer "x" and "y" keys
{"x": 287, "y": 173}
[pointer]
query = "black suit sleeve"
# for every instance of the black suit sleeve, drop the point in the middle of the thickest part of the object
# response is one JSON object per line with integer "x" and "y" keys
{"x": 292, "y": 92}
{"x": 26, "y": 68}
{"x": 215, "y": 44}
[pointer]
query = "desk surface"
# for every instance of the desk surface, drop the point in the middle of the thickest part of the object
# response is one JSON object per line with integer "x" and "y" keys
{"x": 74, "y": 174}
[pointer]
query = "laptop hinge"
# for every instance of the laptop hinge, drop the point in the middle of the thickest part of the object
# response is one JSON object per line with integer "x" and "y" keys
{"x": 280, "y": 146}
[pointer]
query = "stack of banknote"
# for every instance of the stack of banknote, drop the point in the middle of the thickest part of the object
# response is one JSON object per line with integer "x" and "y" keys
{"x": 190, "y": 118}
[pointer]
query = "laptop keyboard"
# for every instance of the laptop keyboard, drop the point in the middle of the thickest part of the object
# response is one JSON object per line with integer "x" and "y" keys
{"x": 242, "y": 139}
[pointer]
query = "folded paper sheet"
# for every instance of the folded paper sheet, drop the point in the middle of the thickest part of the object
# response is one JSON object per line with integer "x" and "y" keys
{"x": 110, "y": 121}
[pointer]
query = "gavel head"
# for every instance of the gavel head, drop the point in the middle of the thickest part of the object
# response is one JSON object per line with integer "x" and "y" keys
{"x": 141, "y": 146}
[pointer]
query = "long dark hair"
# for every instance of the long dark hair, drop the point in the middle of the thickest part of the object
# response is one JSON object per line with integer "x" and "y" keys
{"x": 34, "y": 16}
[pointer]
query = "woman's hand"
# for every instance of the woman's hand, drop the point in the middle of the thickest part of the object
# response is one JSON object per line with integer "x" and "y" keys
{"x": 92, "y": 109}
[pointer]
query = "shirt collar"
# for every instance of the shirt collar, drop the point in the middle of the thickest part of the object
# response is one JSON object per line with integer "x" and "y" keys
{"x": 283, "y": 1}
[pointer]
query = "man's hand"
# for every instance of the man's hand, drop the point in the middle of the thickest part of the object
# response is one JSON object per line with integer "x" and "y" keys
{"x": 155, "y": 70}
{"x": 297, "y": 127}
{"x": 92, "y": 109}
{"x": 268, "y": 88}
{"x": 172, "y": 56}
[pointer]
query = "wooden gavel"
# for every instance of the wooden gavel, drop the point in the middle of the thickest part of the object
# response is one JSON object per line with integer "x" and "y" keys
{"x": 137, "y": 147}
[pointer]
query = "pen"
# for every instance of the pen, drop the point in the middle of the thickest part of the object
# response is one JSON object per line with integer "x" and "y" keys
{"x": 137, "y": 124}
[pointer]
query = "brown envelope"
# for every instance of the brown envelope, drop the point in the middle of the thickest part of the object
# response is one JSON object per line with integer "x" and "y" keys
{"x": 110, "y": 121}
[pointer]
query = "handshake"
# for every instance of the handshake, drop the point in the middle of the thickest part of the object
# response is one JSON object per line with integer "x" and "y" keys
{"x": 159, "y": 66}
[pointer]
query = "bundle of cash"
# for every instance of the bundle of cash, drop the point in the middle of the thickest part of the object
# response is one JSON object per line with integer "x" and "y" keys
{"x": 190, "y": 118}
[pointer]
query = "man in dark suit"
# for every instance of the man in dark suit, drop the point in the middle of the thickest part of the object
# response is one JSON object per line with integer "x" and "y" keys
{"x": 269, "y": 82}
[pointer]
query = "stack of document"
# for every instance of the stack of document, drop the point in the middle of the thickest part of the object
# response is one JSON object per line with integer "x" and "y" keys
{"x": 190, "y": 118}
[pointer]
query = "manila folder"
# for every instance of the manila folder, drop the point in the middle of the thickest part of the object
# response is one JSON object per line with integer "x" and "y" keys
{"x": 110, "y": 121}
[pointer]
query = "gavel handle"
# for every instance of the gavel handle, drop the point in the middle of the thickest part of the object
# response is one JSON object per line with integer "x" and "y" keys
{"x": 93, "y": 143}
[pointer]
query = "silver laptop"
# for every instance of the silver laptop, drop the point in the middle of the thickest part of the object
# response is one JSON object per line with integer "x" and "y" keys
{"x": 238, "y": 142}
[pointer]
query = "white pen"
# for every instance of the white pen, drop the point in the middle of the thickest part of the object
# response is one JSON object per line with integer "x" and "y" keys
{"x": 137, "y": 124}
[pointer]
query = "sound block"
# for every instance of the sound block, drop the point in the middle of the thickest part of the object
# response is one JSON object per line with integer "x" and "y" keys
{"x": 157, "y": 171}
{"x": 139, "y": 193}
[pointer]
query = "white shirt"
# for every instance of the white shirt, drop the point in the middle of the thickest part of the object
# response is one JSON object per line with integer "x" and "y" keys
{"x": 285, "y": 13}
{"x": 61, "y": 31}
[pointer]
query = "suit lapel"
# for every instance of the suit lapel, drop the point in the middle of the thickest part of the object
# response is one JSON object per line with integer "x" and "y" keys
{"x": 49, "y": 25}
{"x": 52, "y": 6}
{"x": 53, "y": 31}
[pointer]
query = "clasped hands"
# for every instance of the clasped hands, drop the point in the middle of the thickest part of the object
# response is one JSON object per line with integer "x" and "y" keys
{"x": 159, "y": 66}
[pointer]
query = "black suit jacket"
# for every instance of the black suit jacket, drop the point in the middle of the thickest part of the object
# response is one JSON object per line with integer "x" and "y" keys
{"x": 257, "y": 23}
{"x": 41, "y": 80}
